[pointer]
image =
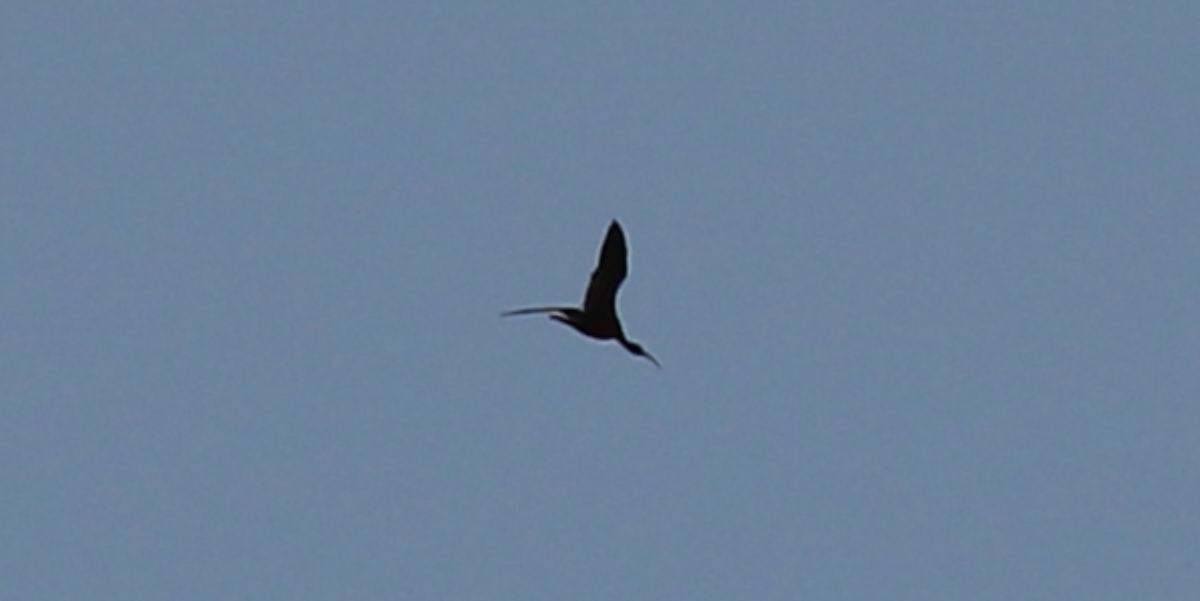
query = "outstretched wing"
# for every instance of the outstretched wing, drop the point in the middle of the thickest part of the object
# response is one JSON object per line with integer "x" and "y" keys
{"x": 531, "y": 310}
{"x": 601, "y": 296}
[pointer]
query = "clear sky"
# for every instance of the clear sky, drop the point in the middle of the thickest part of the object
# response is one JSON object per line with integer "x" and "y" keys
{"x": 924, "y": 278}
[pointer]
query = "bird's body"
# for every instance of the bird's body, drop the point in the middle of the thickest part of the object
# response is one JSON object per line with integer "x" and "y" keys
{"x": 598, "y": 316}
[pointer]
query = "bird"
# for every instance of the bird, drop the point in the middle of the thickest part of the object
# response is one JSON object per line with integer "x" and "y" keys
{"x": 598, "y": 316}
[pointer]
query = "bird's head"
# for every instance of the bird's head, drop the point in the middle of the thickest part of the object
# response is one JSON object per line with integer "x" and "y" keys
{"x": 638, "y": 350}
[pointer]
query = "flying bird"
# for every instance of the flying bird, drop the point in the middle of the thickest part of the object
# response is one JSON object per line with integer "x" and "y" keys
{"x": 598, "y": 317}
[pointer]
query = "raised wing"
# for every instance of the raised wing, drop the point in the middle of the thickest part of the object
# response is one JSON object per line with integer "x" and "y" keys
{"x": 601, "y": 296}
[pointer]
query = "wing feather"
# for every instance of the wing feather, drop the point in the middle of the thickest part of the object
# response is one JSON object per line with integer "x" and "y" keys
{"x": 611, "y": 269}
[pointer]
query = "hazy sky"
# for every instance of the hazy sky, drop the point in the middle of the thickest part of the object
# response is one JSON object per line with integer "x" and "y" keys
{"x": 924, "y": 278}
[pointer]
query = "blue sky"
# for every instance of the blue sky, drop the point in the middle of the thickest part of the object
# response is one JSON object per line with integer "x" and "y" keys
{"x": 923, "y": 278}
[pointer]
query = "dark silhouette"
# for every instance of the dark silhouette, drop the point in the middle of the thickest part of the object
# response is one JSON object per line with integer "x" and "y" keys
{"x": 598, "y": 317}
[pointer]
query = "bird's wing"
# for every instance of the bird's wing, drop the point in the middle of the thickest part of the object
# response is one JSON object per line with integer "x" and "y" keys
{"x": 601, "y": 295}
{"x": 529, "y": 310}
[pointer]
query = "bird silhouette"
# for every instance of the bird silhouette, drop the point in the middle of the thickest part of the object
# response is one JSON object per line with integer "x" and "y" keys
{"x": 598, "y": 317}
